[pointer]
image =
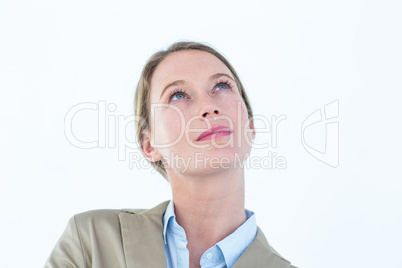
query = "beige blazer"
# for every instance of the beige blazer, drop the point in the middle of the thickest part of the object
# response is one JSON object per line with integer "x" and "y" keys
{"x": 134, "y": 239}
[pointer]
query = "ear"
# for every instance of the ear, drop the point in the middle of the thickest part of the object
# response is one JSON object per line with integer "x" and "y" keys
{"x": 150, "y": 152}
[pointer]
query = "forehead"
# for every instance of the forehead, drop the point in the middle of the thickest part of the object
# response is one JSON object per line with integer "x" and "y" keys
{"x": 190, "y": 65}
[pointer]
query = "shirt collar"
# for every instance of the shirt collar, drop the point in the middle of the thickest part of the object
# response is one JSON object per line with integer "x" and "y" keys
{"x": 169, "y": 213}
{"x": 237, "y": 242}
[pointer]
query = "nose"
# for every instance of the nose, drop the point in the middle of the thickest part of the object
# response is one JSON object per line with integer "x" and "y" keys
{"x": 204, "y": 115}
{"x": 208, "y": 107}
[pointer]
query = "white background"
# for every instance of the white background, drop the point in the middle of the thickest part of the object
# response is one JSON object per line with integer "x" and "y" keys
{"x": 294, "y": 57}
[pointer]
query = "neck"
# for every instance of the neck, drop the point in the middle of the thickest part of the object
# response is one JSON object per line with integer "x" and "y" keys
{"x": 210, "y": 207}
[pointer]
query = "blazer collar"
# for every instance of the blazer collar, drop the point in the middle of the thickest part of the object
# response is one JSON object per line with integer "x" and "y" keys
{"x": 142, "y": 236}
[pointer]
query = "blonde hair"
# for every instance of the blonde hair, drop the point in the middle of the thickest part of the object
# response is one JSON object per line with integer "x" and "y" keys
{"x": 142, "y": 94}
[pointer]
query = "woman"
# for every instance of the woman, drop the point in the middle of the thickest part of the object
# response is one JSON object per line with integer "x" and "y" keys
{"x": 195, "y": 126}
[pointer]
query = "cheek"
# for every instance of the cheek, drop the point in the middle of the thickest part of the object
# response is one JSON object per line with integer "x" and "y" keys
{"x": 239, "y": 114}
{"x": 168, "y": 127}
{"x": 237, "y": 111}
{"x": 247, "y": 132}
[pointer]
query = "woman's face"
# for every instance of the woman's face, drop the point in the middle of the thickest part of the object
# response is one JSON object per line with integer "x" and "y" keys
{"x": 192, "y": 92}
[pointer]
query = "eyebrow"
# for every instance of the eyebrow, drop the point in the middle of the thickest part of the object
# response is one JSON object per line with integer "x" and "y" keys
{"x": 183, "y": 82}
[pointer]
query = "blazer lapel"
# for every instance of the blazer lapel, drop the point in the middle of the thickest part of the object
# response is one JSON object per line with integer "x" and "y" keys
{"x": 261, "y": 254}
{"x": 142, "y": 236}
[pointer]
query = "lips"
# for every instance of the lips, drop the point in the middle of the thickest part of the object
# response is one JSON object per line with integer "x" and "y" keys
{"x": 219, "y": 129}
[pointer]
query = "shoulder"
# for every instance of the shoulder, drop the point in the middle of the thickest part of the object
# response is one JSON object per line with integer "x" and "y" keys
{"x": 87, "y": 237}
{"x": 98, "y": 232}
{"x": 91, "y": 236}
{"x": 276, "y": 254}
{"x": 101, "y": 219}
{"x": 280, "y": 258}
{"x": 104, "y": 214}
{"x": 270, "y": 255}
{"x": 111, "y": 218}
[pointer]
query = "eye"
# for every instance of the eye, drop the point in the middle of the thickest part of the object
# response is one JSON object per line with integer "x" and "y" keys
{"x": 177, "y": 94}
{"x": 223, "y": 85}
